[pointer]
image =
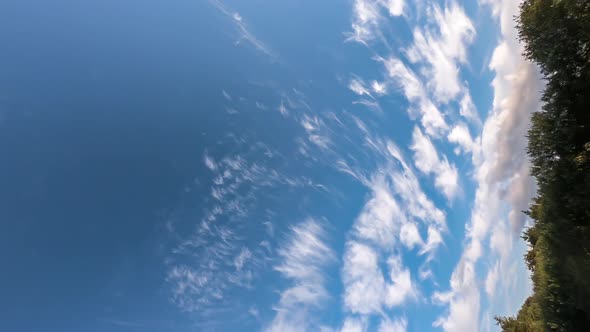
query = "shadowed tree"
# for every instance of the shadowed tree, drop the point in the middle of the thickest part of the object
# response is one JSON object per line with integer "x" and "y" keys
{"x": 556, "y": 35}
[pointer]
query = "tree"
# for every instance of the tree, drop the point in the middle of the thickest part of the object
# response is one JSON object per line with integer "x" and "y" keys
{"x": 556, "y": 35}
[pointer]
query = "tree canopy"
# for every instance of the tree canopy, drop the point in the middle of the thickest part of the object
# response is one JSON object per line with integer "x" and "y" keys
{"x": 556, "y": 35}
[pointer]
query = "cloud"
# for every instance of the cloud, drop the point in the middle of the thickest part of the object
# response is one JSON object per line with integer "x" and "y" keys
{"x": 463, "y": 300}
{"x": 427, "y": 161}
{"x": 368, "y": 17}
{"x": 354, "y": 325}
{"x": 381, "y": 216}
{"x": 461, "y": 136}
{"x": 226, "y": 95}
{"x": 402, "y": 286}
{"x": 395, "y": 7}
{"x": 420, "y": 104}
{"x": 416, "y": 203}
{"x": 399, "y": 325}
{"x": 243, "y": 29}
{"x": 396, "y": 202}
{"x": 365, "y": 23}
{"x": 503, "y": 185}
{"x": 210, "y": 162}
{"x": 378, "y": 88}
{"x": 467, "y": 109}
{"x": 439, "y": 49}
{"x": 187, "y": 287}
{"x": 369, "y": 103}
{"x": 366, "y": 291}
{"x": 410, "y": 236}
{"x": 397, "y": 215}
{"x": 406, "y": 79}
{"x": 303, "y": 259}
{"x": 363, "y": 281}
{"x": 501, "y": 240}
{"x": 244, "y": 255}
{"x": 434, "y": 240}
{"x": 492, "y": 280}
{"x": 305, "y": 254}
{"x": 207, "y": 266}
{"x": 283, "y": 109}
{"x": 358, "y": 86}
{"x": 316, "y": 131}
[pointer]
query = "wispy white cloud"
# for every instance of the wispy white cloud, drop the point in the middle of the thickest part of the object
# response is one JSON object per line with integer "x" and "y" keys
{"x": 357, "y": 86}
{"x": 467, "y": 109}
{"x": 381, "y": 216}
{"x": 384, "y": 225}
{"x": 434, "y": 240}
{"x": 439, "y": 49}
{"x": 367, "y": 291}
{"x": 501, "y": 240}
{"x": 352, "y": 324}
{"x": 437, "y": 53}
{"x": 306, "y": 252}
{"x": 416, "y": 203}
{"x": 463, "y": 300}
{"x": 379, "y": 88}
{"x": 402, "y": 287}
{"x": 245, "y": 34}
{"x": 410, "y": 236}
{"x": 261, "y": 106}
{"x": 395, "y": 203}
{"x": 397, "y": 215}
{"x": 210, "y": 162}
{"x": 303, "y": 260}
{"x": 363, "y": 280}
{"x": 244, "y": 255}
{"x": 207, "y": 265}
{"x": 421, "y": 105}
{"x": 503, "y": 183}
{"x": 427, "y": 160}
{"x": 226, "y": 95}
{"x": 398, "y": 325}
{"x": 395, "y": 7}
{"x": 369, "y": 103}
{"x": 368, "y": 92}
{"x": 316, "y": 131}
{"x": 369, "y": 15}
{"x": 492, "y": 280}
{"x": 366, "y": 18}
{"x": 283, "y": 109}
{"x": 405, "y": 78}
{"x": 461, "y": 136}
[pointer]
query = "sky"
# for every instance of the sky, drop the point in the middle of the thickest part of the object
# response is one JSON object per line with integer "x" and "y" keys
{"x": 209, "y": 165}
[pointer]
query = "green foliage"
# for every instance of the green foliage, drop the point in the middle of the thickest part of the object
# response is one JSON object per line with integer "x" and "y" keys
{"x": 556, "y": 34}
{"x": 527, "y": 320}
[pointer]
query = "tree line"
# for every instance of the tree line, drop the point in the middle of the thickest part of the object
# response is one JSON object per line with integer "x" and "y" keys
{"x": 556, "y": 35}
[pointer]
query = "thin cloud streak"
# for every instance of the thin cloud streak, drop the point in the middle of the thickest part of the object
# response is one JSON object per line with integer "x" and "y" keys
{"x": 439, "y": 49}
{"x": 304, "y": 257}
{"x": 243, "y": 30}
{"x": 427, "y": 160}
{"x": 369, "y": 15}
{"x": 421, "y": 106}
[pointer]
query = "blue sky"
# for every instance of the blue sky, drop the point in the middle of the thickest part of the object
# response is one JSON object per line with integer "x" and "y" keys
{"x": 262, "y": 165}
